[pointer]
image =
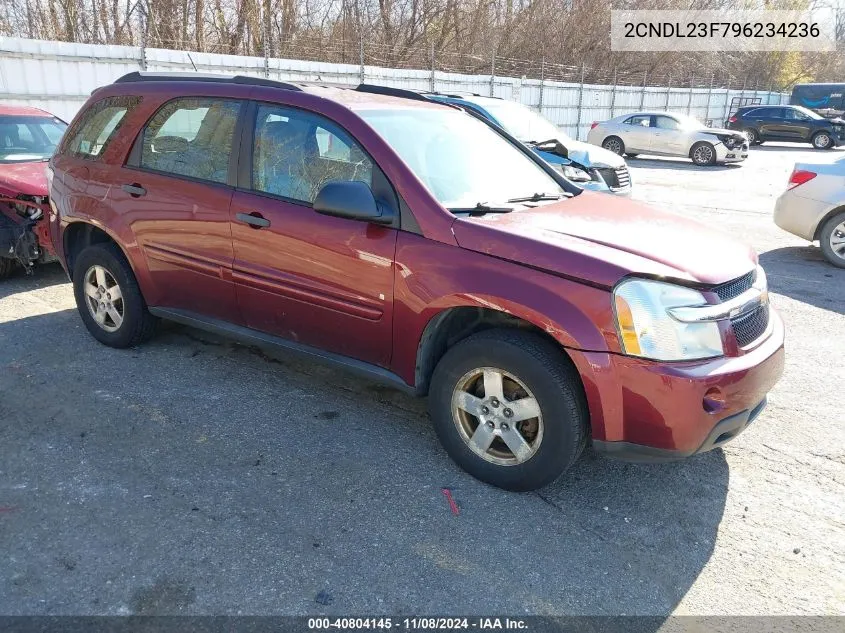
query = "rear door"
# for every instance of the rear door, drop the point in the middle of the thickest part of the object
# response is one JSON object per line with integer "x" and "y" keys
{"x": 636, "y": 132}
{"x": 772, "y": 123}
{"x": 322, "y": 281}
{"x": 175, "y": 194}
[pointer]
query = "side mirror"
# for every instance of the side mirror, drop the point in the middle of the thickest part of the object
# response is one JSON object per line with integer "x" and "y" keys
{"x": 353, "y": 200}
{"x": 553, "y": 146}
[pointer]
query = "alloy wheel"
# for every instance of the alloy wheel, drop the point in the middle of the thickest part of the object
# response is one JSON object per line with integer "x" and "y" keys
{"x": 497, "y": 416}
{"x": 613, "y": 145}
{"x": 702, "y": 155}
{"x": 104, "y": 298}
{"x": 837, "y": 240}
{"x": 821, "y": 141}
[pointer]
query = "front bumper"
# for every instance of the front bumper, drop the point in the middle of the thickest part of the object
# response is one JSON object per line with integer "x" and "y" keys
{"x": 643, "y": 409}
{"x": 734, "y": 154}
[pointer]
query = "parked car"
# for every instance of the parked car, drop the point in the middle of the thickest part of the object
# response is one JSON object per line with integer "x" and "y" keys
{"x": 591, "y": 167}
{"x": 28, "y": 137}
{"x": 787, "y": 123}
{"x": 669, "y": 134}
{"x": 813, "y": 207}
{"x": 421, "y": 246}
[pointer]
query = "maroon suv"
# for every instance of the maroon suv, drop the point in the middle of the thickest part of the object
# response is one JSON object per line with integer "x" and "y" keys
{"x": 415, "y": 243}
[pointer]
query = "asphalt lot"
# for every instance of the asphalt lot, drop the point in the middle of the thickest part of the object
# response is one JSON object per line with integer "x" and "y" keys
{"x": 196, "y": 476}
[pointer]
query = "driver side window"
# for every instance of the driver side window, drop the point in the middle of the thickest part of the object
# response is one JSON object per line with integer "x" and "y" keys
{"x": 667, "y": 123}
{"x": 295, "y": 153}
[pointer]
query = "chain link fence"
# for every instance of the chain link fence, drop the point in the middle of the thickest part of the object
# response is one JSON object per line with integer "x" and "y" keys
{"x": 59, "y": 76}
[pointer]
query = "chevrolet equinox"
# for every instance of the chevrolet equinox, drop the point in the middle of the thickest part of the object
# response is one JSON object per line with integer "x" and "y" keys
{"x": 422, "y": 246}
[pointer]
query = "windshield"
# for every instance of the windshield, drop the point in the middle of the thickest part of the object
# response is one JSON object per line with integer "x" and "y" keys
{"x": 29, "y": 138}
{"x": 522, "y": 122}
{"x": 461, "y": 160}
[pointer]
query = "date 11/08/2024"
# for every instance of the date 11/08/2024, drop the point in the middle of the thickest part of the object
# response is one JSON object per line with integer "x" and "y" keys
{"x": 421, "y": 623}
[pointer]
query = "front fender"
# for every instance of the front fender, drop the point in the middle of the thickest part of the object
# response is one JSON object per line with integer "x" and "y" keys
{"x": 432, "y": 277}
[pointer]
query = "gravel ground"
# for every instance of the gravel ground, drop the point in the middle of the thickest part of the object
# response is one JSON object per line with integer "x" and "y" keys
{"x": 195, "y": 476}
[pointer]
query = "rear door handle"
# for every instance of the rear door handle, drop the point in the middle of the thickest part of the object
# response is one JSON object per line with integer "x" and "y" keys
{"x": 135, "y": 190}
{"x": 254, "y": 219}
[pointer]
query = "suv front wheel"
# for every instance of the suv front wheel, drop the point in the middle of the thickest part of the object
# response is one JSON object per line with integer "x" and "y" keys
{"x": 509, "y": 408}
{"x": 108, "y": 297}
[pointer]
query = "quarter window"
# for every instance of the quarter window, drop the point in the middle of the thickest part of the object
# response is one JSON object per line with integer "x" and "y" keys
{"x": 89, "y": 136}
{"x": 295, "y": 153}
{"x": 191, "y": 137}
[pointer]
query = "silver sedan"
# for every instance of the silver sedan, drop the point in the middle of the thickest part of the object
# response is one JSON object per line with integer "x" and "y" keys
{"x": 669, "y": 134}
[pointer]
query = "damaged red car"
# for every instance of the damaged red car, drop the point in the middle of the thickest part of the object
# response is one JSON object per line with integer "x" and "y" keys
{"x": 28, "y": 137}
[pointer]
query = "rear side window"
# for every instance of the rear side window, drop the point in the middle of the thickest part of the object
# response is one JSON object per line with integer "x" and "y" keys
{"x": 643, "y": 120}
{"x": 191, "y": 137}
{"x": 91, "y": 134}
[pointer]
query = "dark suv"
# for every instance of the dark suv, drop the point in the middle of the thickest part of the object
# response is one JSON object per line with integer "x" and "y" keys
{"x": 787, "y": 123}
{"x": 413, "y": 242}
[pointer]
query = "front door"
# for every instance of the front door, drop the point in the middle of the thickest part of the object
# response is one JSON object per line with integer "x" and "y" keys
{"x": 668, "y": 138}
{"x": 323, "y": 281}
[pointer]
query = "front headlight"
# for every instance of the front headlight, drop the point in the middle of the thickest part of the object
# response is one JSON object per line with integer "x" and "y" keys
{"x": 574, "y": 173}
{"x": 646, "y": 328}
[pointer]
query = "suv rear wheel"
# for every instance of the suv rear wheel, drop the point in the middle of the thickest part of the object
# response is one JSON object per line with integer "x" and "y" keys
{"x": 832, "y": 240}
{"x": 753, "y": 137}
{"x": 108, "y": 297}
{"x": 509, "y": 409}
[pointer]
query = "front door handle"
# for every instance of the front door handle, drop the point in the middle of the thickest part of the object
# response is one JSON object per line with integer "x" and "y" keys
{"x": 254, "y": 219}
{"x": 135, "y": 190}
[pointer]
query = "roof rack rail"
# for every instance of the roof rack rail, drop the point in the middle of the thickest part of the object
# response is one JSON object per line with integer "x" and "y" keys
{"x": 137, "y": 75}
{"x": 405, "y": 93}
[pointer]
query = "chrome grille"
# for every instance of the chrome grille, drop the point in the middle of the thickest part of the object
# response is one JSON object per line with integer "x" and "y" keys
{"x": 736, "y": 287}
{"x": 623, "y": 178}
{"x": 615, "y": 179}
{"x": 749, "y": 327}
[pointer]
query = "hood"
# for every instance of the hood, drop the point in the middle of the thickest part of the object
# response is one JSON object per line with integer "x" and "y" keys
{"x": 584, "y": 154}
{"x": 592, "y": 155}
{"x": 27, "y": 178}
{"x": 721, "y": 130}
{"x": 599, "y": 239}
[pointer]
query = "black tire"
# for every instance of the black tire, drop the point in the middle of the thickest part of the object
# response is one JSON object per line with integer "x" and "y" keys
{"x": 696, "y": 155}
{"x": 7, "y": 267}
{"x": 553, "y": 381}
{"x": 824, "y": 240}
{"x": 617, "y": 146}
{"x": 138, "y": 325}
{"x": 822, "y": 140}
{"x": 630, "y": 155}
{"x": 753, "y": 136}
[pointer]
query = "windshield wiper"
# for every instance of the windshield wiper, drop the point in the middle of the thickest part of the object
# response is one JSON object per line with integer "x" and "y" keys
{"x": 546, "y": 142}
{"x": 480, "y": 209}
{"x": 537, "y": 197}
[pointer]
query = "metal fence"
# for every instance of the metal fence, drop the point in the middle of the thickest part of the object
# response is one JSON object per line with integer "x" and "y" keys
{"x": 59, "y": 76}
